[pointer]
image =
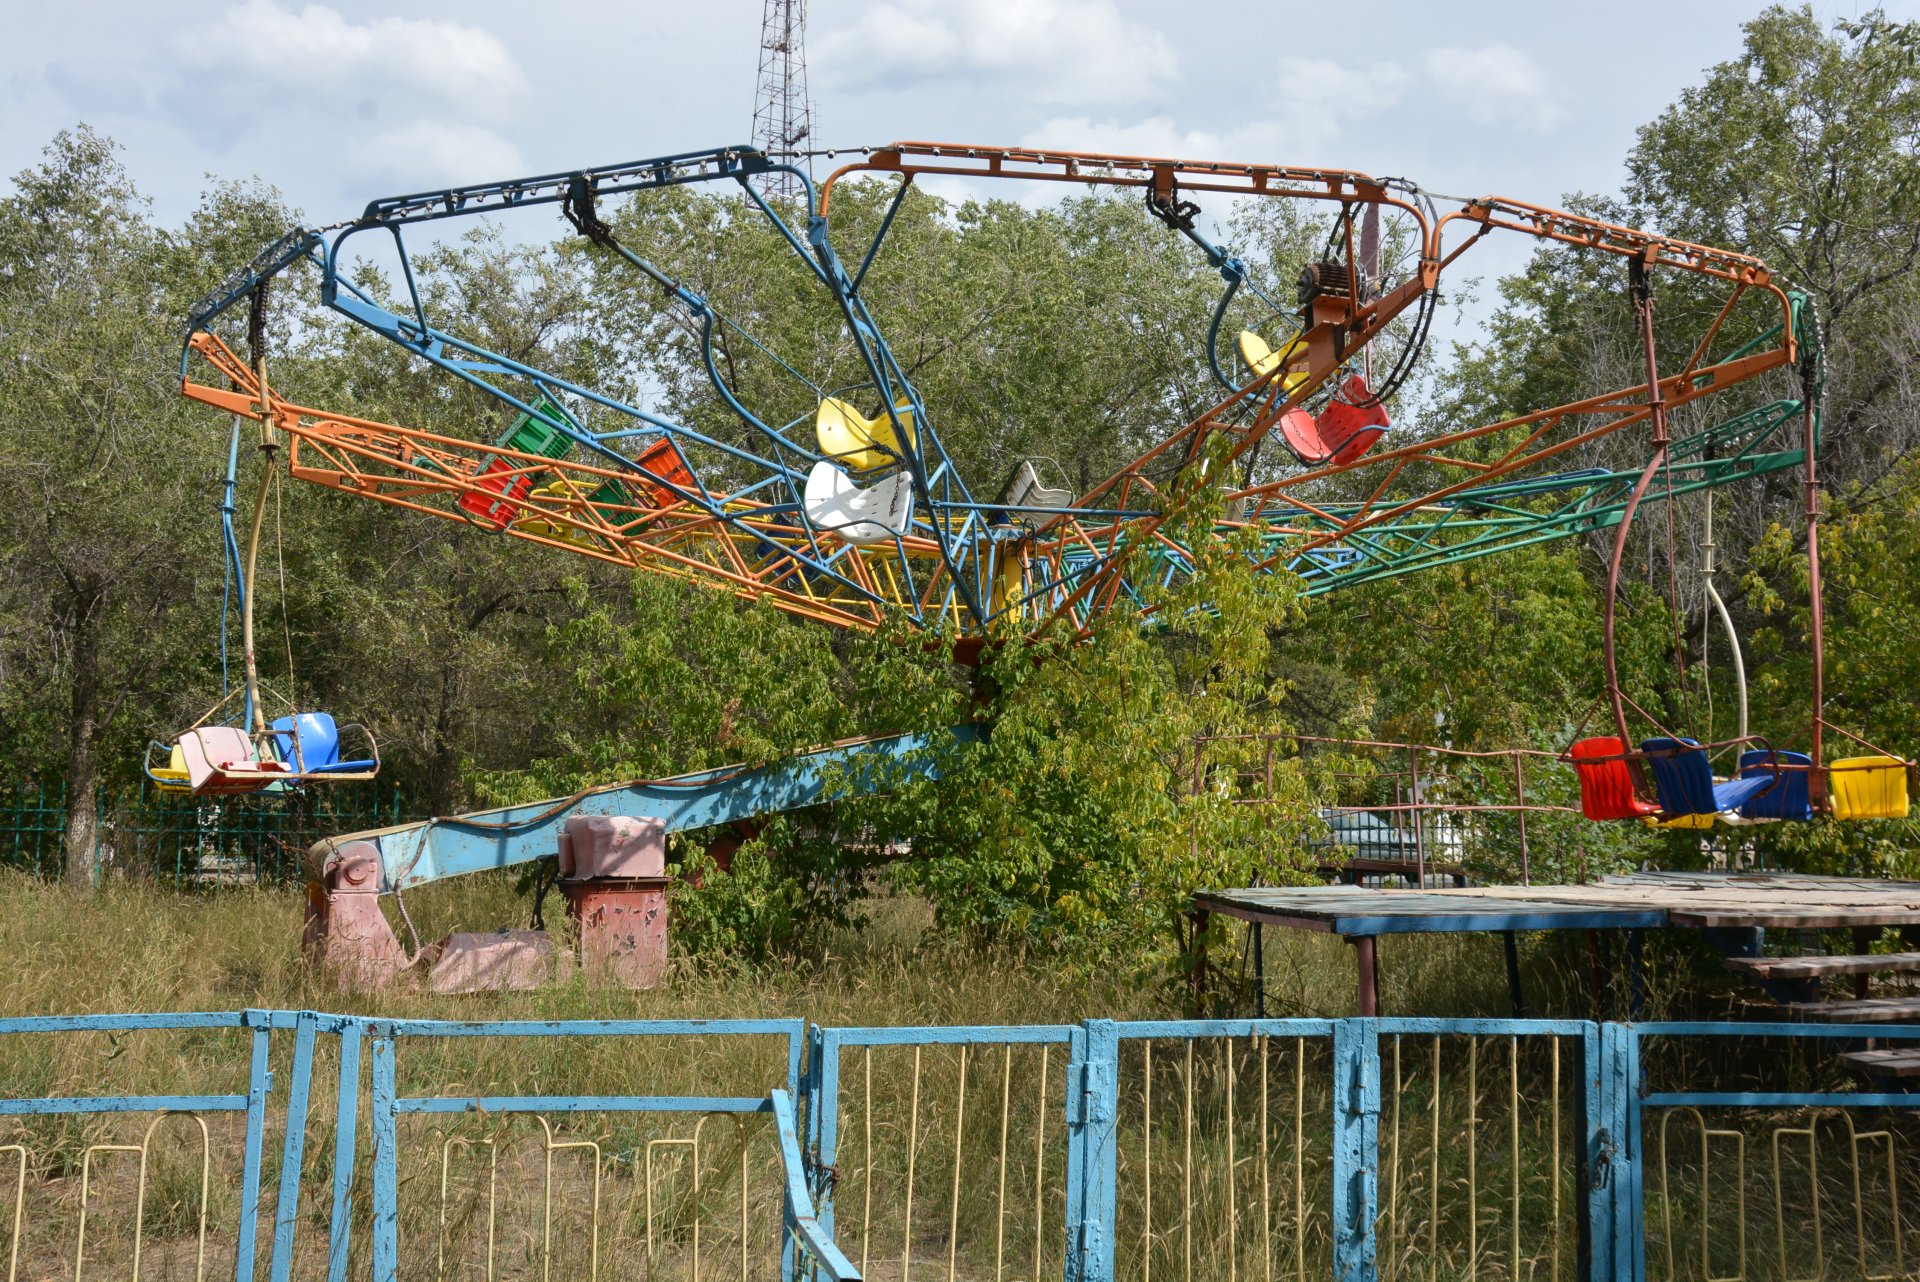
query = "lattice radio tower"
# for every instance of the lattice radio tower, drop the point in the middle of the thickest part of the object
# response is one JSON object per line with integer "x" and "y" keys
{"x": 782, "y": 114}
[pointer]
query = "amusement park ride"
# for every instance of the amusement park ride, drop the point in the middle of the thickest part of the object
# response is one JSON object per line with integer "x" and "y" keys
{"x": 854, "y": 513}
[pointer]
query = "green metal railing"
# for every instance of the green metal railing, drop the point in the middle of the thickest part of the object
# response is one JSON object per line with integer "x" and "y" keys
{"x": 188, "y": 840}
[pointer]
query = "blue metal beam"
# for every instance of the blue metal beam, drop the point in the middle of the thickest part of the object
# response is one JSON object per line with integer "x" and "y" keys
{"x": 415, "y": 853}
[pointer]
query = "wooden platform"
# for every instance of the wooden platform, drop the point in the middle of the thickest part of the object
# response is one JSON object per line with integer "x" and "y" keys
{"x": 1635, "y": 902}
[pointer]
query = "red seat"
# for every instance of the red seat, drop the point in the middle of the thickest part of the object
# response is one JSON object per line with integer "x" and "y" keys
{"x": 1342, "y": 432}
{"x": 495, "y": 476}
{"x": 1606, "y": 786}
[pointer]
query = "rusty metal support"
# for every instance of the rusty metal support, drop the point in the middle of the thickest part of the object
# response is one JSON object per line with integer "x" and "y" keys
{"x": 1816, "y": 614}
{"x": 1657, "y": 409}
{"x": 1367, "y": 962}
{"x": 1419, "y": 841}
{"x": 1520, "y": 805}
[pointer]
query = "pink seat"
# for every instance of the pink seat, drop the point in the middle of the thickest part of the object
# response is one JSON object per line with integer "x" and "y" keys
{"x": 220, "y": 759}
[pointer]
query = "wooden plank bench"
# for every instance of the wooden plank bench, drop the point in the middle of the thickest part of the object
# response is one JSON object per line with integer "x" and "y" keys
{"x": 1822, "y": 967}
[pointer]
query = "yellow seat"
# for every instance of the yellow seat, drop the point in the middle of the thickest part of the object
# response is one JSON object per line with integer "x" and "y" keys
{"x": 859, "y": 443}
{"x": 1868, "y": 787}
{"x": 173, "y": 776}
{"x": 534, "y": 523}
{"x": 1696, "y": 822}
{"x": 1263, "y": 360}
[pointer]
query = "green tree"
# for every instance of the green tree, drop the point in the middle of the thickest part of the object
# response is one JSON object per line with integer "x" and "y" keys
{"x": 105, "y": 593}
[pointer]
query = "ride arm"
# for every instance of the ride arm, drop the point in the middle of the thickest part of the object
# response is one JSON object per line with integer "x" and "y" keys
{"x": 413, "y": 854}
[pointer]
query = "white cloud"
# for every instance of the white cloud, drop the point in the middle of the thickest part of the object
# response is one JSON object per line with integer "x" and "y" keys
{"x": 431, "y": 151}
{"x": 395, "y": 100}
{"x": 1154, "y": 136}
{"x": 447, "y": 61}
{"x": 1318, "y": 96}
{"x": 1497, "y": 85}
{"x": 1065, "y": 52}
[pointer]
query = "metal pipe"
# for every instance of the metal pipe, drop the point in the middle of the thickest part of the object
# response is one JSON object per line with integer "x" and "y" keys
{"x": 1419, "y": 842}
{"x": 1733, "y": 643}
{"x": 1709, "y": 566}
{"x": 1608, "y": 606}
{"x": 1657, "y": 409}
{"x": 1510, "y": 944}
{"x": 1520, "y": 804}
{"x": 1366, "y": 962}
{"x": 1816, "y": 614}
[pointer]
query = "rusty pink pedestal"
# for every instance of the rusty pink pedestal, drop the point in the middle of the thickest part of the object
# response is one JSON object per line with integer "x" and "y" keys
{"x": 613, "y": 874}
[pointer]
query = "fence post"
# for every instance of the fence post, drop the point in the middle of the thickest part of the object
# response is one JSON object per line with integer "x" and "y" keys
{"x": 1356, "y": 1148}
{"x": 293, "y": 1149}
{"x": 346, "y": 1124}
{"x": 1613, "y": 1217}
{"x": 1093, "y": 1157}
{"x": 259, "y": 1086}
{"x": 386, "y": 1163}
{"x": 823, "y": 1117}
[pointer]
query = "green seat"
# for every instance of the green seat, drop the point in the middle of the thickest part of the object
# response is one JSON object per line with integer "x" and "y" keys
{"x": 531, "y": 435}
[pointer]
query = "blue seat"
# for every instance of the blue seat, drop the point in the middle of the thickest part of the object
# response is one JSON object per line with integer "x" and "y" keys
{"x": 1683, "y": 780}
{"x": 319, "y": 745}
{"x": 1791, "y": 799}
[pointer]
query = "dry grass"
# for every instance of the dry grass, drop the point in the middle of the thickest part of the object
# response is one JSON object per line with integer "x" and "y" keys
{"x": 1224, "y": 1177}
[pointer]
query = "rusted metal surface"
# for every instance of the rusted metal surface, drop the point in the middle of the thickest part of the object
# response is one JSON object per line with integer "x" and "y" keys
{"x": 623, "y": 928}
{"x": 345, "y": 930}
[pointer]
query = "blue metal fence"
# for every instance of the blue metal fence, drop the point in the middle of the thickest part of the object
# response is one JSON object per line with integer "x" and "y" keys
{"x": 1047, "y": 1160}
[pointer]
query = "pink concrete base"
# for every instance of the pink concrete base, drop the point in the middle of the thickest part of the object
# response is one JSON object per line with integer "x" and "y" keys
{"x": 623, "y": 928}
{"x": 498, "y": 961}
{"x": 345, "y": 930}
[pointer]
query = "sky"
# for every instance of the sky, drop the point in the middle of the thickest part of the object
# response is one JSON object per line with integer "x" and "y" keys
{"x": 336, "y": 103}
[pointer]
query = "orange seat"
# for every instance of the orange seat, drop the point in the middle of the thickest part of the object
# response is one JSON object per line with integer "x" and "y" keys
{"x": 1606, "y": 786}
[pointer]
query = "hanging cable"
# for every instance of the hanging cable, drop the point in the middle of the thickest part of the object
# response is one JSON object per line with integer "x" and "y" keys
{"x": 286, "y": 632}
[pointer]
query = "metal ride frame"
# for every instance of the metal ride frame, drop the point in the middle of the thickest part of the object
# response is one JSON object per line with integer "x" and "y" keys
{"x": 732, "y": 513}
{"x": 1603, "y": 1147}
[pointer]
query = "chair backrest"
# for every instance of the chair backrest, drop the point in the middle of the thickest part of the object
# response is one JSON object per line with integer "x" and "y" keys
{"x": 1606, "y": 787}
{"x": 834, "y": 503}
{"x": 849, "y": 437}
{"x": 662, "y": 459}
{"x": 1025, "y": 489}
{"x": 1302, "y": 435}
{"x": 211, "y": 750}
{"x": 1348, "y": 430}
{"x": 1790, "y": 798}
{"x": 1682, "y": 776}
{"x": 1868, "y": 788}
{"x": 319, "y": 740}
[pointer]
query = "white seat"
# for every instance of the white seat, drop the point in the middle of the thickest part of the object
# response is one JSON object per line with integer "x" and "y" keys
{"x": 1026, "y": 490}
{"x": 836, "y": 505}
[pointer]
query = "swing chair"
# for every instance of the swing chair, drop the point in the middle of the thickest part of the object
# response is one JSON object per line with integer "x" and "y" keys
{"x": 1354, "y": 416}
{"x": 1771, "y": 785}
{"x": 248, "y": 754}
{"x": 859, "y": 443}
